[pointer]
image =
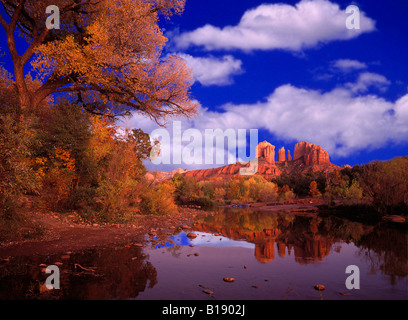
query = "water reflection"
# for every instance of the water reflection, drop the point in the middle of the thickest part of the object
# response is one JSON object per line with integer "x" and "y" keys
{"x": 208, "y": 239}
{"x": 311, "y": 238}
{"x": 105, "y": 273}
{"x": 281, "y": 250}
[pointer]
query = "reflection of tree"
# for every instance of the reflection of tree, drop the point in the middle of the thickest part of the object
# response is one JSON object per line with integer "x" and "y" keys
{"x": 122, "y": 276}
{"x": 311, "y": 238}
{"x": 120, "y": 273}
{"x": 174, "y": 250}
{"x": 385, "y": 249}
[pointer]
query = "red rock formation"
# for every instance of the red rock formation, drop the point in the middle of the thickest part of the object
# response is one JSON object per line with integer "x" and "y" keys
{"x": 300, "y": 149}
{"x": 266, "y": 150}
{"x": 307, "y": 158}
{"x": 289, "y": 156}
{"x": 311, "y": 154}
{"x": 281, "y": 154}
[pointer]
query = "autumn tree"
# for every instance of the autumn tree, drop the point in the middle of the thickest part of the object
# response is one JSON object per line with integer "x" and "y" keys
{"x": 314, "y": 190}
{"x": 107, "y": 54}
{"x": 385, "y": 182}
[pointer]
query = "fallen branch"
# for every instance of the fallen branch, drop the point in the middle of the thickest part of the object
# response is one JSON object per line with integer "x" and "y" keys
{"x": 83, "y": 268}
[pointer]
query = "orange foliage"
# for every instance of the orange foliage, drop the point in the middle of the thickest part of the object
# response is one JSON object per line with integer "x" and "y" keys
{"x": 59, "y": 177}
{"x": 108, "y": 50}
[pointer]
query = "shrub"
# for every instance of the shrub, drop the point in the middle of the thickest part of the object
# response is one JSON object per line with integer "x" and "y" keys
{"x": 159, "y": 199}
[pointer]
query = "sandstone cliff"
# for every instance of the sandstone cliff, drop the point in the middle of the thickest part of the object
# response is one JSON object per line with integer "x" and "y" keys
{"x": 307, "y": 157}
{"x": 281, "y": 154}
{"x": 311, "y": 154}
{"x": 266, "y": 150}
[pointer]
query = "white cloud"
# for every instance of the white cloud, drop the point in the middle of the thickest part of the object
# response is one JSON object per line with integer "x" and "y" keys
{"x": 212, "y": 70}
{"x": 369, "y": 79}
{"x": 279, "y": 26}
{"x": 347, "y": 65}
{"x": 339, "y": 121}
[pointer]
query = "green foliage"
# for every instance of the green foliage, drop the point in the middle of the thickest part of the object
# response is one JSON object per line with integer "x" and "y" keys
{"x": 16, "y": 174}
{"x": 300, "y": 182}
{"x": 385, "y": 183}
{"x": 382, "y": 184}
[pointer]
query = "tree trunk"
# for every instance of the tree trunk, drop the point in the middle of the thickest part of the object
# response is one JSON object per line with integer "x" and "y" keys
{"x": 23, "y": 92}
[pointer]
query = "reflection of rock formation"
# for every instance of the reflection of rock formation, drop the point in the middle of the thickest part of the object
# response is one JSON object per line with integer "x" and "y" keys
{"x": 312, "y": 249}
{"x": 265, "y": 251}
{"x": 311, "y": 239}
{"x": 265, "y": 244}
{"x": 307, "y": 246}
{"x": 281, "y": 249}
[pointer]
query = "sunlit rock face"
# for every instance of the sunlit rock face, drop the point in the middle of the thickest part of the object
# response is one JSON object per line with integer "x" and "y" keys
{"x": 281, "y": 154}
{"x": 311, "y": 154}
{"x": 289, "y": 156}
{"x": 307, "y": 157}
{"x": 266, "y": 150}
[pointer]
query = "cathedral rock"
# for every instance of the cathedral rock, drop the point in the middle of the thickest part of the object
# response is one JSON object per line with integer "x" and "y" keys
{"x": 307, "y": 157}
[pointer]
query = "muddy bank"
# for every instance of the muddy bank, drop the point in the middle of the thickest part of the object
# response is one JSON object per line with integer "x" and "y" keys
{"x": 299, "y": 206}
{"x": 66, "y": 232}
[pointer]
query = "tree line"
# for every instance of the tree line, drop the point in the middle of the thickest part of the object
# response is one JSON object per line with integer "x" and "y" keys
{"x": 382, "y": 185}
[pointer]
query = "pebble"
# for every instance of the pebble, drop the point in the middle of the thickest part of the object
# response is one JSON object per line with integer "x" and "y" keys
{"x": 319, "y": 287}
{"x": 138, "y": 245}
{"x": 191, "y": 235}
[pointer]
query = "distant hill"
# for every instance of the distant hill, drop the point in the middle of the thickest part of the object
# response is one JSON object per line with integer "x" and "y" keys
{"x": 163, "y": 175}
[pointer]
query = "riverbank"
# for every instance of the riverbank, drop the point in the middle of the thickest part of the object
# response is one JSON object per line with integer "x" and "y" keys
{"x": 69, "y": 232}
{"x": 50, "y": 232}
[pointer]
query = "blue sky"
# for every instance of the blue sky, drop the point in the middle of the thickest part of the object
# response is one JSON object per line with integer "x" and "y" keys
{"x": 292, "y": 70}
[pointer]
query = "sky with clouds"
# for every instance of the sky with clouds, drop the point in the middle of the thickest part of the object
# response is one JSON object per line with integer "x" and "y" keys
{"x": 294, "y": 71}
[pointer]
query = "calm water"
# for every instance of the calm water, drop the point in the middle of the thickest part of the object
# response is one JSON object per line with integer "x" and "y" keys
{"x": 270, "y": 255}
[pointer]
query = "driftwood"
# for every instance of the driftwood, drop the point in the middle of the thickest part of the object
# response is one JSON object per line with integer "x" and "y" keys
{"x": 83, "y": 268}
